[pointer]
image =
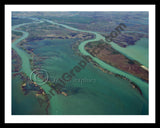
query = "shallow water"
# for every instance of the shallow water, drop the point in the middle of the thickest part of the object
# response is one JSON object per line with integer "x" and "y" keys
{"x": 24, "y": 104}
{"x": 98, "y": 93}
{"x": 143, "y": 85}
{"x": 106, "y": 95}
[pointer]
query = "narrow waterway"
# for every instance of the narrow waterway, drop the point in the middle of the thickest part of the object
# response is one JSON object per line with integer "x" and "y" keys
{"x": 26, "y": 67}
{"x": 143, "y": 85}
{"x": 54, "y": 101}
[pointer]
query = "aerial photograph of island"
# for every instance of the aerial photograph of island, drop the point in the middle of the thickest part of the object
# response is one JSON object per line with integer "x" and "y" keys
{"x": 80, "y": 63}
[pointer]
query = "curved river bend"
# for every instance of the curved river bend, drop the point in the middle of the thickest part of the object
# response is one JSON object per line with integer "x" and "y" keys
{"x": 27, "y": 69}
{"x": 143, "y": 85}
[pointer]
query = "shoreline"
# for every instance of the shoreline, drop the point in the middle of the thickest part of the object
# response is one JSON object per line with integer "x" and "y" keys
{"x": 109, "y": 55}
{"x": 97, "y": 37}
{"x": 48, "y": 92}
{"x": 134, "y": 85}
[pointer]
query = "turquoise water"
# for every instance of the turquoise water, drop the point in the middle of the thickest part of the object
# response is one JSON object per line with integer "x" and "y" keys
{"x": 106, "y": 95}
{"x": 24, "y": 104}
{"x": 99, "y": 94}
{"x": 138, "y": 52}
{"x": 143, "y": 86}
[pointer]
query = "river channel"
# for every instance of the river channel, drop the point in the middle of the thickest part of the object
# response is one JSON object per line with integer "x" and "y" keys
{"x": 56, "y": 104}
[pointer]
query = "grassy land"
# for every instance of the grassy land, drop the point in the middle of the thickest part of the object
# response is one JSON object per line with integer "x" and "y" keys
{"x": 116, "y": 59}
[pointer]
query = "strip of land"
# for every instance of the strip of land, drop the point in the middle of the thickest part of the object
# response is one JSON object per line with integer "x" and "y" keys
{"x": 116, "y": 59}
